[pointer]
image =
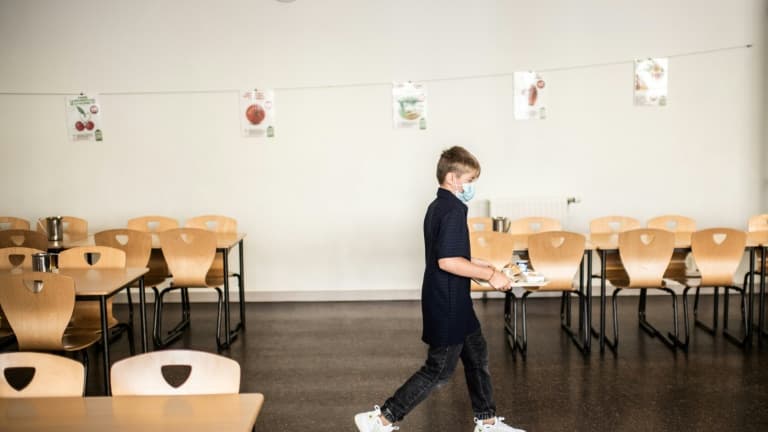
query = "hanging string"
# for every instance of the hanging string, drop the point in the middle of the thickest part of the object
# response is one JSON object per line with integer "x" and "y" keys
{"x": 375, "y": 83}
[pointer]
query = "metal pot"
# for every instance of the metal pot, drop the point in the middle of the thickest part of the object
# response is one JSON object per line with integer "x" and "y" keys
{"x": 55, "y": 228}
{"x": 501, "y": 224}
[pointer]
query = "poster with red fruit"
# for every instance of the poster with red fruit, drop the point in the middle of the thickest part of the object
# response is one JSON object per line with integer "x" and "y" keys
{"x": 257, "y": 113}
{"x": 409, "y": 105}
{"x": 84, "y": 122}
{"x": 530, "y": 96}
{"x": 651, "y": 81}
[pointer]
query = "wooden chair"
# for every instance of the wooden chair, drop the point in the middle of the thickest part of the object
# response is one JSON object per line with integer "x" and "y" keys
{"x": 72, "y": 226}
{"x": 23, "y": 238}
{"x": 677, "y": 266}
{"x": 718, "y": 253}
{"x": 137, "y": 246}
{"x": 39, "y": 307}
{"x": 13, "y": 260}
{"x": 87, "y": 315}
{"x": 645, "y": 254}
{"x": 189, "y": 253}
{"x": 532, "y": 225}
{"x": 40, "y": 375}
{"x": 17, "y": 259}
{"x": 10, "y": 222}
{"x": 158, "y": 374}
{"x": 755, "y": 224}
{"x": 220, "y": 225}
{"x": 480, "y": 224}
{"x": 558, "y": 256}
{"x": 612, "y": 225}
{"x": 496, "y": 248}
{"x": 153, "y": 224}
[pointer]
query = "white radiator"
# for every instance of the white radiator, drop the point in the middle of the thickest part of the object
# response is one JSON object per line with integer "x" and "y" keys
{"x": 521, "y": 207}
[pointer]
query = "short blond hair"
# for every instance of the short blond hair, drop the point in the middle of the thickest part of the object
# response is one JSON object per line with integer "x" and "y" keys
{"x": 456, "y": 160}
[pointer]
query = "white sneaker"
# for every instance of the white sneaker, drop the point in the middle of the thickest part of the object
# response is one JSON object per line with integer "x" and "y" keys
{"x": 498, "y": 426}
{"x": 371, "y": 422}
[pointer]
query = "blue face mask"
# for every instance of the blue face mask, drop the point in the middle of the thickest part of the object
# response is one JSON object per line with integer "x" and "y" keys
{"x": 467, "y": 194}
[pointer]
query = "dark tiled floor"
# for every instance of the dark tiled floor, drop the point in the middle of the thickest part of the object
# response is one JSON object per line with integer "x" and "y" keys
{"x": 320, "y": 363}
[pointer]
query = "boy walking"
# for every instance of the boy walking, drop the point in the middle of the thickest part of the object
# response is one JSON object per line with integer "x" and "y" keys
{"x": 450, "y": 326}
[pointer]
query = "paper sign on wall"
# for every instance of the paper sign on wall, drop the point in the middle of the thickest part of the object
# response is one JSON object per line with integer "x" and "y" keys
{"x": 84, "y": 122}
{"x": 530, "y": 96}
{"x": 409, "y": 105}
{"x": 651, "y": 81}
{"x": 257, "y": 113}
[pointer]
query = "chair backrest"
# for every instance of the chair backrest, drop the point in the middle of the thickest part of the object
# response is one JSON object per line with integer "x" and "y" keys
{"x": 532, "y": 225}
{"x": 495, "y": 247}
{"x": 72, "y": 226}
{"x": 85, "y": 257}
{"x": 137, "y": 245}
{"x": 215, "y": 223}
{"x": 557, "y": 255}
{"x": 480, "y": 224}
{"x": 645, "y": 254}
{"x": 189, "y": 253}
{"x": 162, "y": 372}
{"x": 38, "y": 307}
{"x": 23, "y": 238}
{"x": 673, "y": 223}
{"x": 612, "y": 224}
{"x": 40, "y": 375}
{"x": 17, "y": 258}
{"x": 152, "y": 223}
{"x": 758, "y": 223}
{"x": 10, "y": 222}
{"x": 718, "y": 253}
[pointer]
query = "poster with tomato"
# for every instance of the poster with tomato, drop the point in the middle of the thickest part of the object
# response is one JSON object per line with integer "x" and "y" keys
{"x": 409, "y": 105}
{"x": 257, "y": 113}
{"x": 530, "y": 96}
{"x": 651, "y": 80}
{"x": 84, "y": 122}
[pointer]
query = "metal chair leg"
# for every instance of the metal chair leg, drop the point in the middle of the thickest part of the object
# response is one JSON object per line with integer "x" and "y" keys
{"x": 178, "y": 330}
{"x": 671, "y": 340}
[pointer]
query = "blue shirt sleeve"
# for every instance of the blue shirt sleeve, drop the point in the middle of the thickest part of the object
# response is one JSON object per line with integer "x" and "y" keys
{"x": 453, "y": 235}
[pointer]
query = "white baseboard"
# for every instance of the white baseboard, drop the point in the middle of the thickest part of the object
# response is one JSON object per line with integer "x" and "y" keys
{"x": 202, "y": 295}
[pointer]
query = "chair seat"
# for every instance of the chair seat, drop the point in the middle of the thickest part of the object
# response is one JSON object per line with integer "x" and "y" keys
{"x": 152, "y": 280}
{"x": 79, "y": 340}
{"x": 216, "y": 279}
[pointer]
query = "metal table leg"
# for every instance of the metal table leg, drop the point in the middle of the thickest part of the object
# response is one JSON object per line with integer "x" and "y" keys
{"x": 143, "y": 314}
{"x": 105, "y": 342}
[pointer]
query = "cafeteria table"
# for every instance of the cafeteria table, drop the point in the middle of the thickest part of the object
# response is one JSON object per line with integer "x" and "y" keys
{"x": 178, "y": 413}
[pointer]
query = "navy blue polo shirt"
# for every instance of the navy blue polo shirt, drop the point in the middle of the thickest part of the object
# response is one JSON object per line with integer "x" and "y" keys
{"x": 446, "y": 305}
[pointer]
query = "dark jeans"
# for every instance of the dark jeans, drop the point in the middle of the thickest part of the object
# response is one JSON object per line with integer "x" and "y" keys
{"x": 440, "y": 364}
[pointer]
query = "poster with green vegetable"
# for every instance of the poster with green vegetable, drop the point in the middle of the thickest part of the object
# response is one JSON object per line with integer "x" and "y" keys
{"x": 409, "y": 105}
{"x": 257, "y": 113}
{"x": 84, "y": 122}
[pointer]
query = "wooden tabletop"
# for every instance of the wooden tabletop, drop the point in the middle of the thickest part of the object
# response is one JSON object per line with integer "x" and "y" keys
{"x": 223, "y": 241}
{"x": 221, "y": 413}
{"x": 101, "y": 282}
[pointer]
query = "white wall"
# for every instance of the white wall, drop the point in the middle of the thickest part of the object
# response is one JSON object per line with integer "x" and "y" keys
{"x": 335, "y": 202}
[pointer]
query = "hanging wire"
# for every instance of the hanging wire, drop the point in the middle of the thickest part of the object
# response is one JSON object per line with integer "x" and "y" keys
{"x": 374, "y": 83}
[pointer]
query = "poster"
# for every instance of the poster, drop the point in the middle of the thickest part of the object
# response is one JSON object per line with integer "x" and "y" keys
{"x": 257, "y": 113}
{"x": 84, "y": 122}
{"x": 530, "y": 96}
{"x": 409, "y": 105}
{"x": 651, "y": 79}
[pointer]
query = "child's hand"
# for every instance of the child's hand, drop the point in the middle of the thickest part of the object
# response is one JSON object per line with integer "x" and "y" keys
{"x": 500, "y": 282}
